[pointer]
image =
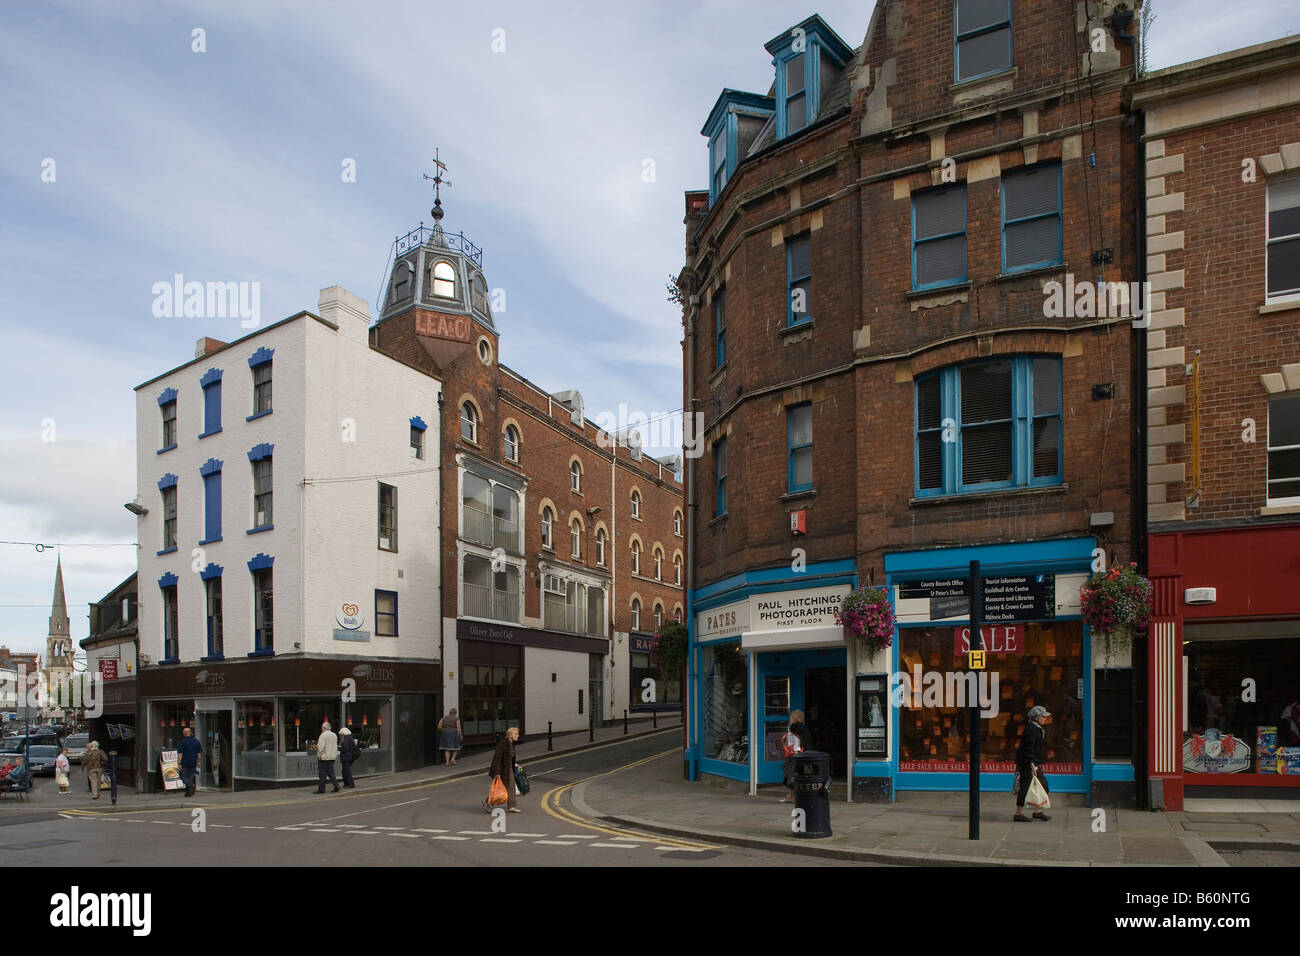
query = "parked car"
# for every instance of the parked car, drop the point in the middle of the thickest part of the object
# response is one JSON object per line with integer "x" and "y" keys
{"x": 41, "y": 759}
{"x": 76, "y": 745}
{"x": 19, "y": 742}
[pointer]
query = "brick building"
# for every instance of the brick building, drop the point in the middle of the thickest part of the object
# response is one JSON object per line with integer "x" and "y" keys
{"x": 899, "y": 375}
{"x": 1221, "y": 144}
{"x": 563, "y": 546}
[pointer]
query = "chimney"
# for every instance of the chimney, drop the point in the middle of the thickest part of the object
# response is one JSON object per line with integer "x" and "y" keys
{"x": 206, "y": 346}
{"x": 347, "y": 310}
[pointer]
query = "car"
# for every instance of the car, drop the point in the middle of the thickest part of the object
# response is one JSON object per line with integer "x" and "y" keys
{"x": 41, "y": 759}
{"x": 18, "y": 742}
{"x": 76, "y": 745}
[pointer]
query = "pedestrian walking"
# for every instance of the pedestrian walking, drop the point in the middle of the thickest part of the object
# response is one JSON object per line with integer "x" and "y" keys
{"x": 503, "y": 766}
{"x": 449, "y": 739}
{"x": 190, "y": 749}
{"x": 797, "y": 730}
{"x": 1029, "y": 760}
{"x": 327, "y": 751}
{"x": 94, "y": 763}
{"x": 61, "y": 768}
{"x": 348, "y": 752}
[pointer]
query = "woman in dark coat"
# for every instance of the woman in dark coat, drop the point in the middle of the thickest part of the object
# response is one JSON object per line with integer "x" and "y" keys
{"x": 1029, "y": 758}
{"x": 348, "y": 752}
{"x": 503, "y": 766}
{"x": 800, "y": 730}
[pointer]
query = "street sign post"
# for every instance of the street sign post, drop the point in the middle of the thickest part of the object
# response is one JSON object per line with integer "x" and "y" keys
{"x": 973, "y": 706}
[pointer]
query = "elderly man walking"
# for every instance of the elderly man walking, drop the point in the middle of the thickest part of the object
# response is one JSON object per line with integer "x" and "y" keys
{"x": 327, "y": 751}
{"x": 94, "y": 763}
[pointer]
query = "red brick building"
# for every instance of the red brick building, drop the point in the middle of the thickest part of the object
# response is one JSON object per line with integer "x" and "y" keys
{"x": 564, "y": 546}
{"x": 1221, "y": 144}
{"x": 897, "y": 377}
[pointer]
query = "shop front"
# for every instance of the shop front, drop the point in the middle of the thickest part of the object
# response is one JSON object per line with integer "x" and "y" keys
{"x": 912, "y": 702}
{"x": 115, "y": 727}
{"x": 258, "y": 720}
{"x": 764, "y": 644}
{"x": 664, "y": 692}
{"x": 1225, "y": 665}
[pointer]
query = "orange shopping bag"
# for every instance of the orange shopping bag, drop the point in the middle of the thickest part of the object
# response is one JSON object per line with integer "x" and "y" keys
{"x": 497, "y": 795}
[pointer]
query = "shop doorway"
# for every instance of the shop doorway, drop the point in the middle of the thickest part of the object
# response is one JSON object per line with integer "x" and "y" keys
{"x": 215, "y": 762}
{"x": 826, "y": 714}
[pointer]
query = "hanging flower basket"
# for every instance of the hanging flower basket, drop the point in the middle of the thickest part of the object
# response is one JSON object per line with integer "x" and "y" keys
{"x": 867, "y": 615}
{"x": 1116, "y": 605}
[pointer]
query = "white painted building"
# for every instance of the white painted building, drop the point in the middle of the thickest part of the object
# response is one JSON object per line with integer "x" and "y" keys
{"x": 289, "y": 552}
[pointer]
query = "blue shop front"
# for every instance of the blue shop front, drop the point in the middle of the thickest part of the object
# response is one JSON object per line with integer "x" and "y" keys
{"x": 765, "y": 643}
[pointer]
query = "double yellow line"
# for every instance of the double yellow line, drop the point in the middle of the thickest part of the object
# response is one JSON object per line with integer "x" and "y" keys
{"x": 552, "y": 806}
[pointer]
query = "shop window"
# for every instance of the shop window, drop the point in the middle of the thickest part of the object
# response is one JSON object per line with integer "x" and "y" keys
{"x": 983, "y": 38}
{"x": 939, "y": 237}
{"x": 1113, "y": 713}
{"x": 490, "y": 698}
{"x": 1283, "y": 237}
{"x": 1284, "y": 450}
{"x": 168, "y": 720}
{"x": 988, "y": 425}
{"x": 255, "y": 753}
{"x": 368, "y": 719}
{"x": 933, "y": 732}
{"x": 725, "y": 688}
{"x": 668, "y": 688}
{"x": 1031, "y": 217}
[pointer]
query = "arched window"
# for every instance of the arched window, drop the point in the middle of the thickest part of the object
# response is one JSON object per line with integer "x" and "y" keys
{"x": 512, "y": 443}
{"x": 677, "y": 569}
{"x": 575, "y": 537}
{"x": 659, "y": 564}
{"x": 677, "y": 615}
{"x": 636, "y": 614}
{"x": 575, "y": 476}
{"x": 600, "y": 546}
{"x": 547, "y": 519}
{"x": 677, "y": 523}
{"x": 659, "y": 615}
{"x": 636, "y": 557}
{"x": 444, "y": 281}
{"x": 469, "y": 423}
{"x": 636, "y": 504}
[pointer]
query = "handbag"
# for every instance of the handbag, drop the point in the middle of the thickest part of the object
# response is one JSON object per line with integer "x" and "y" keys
{"x": 1037, "y": 797}
{"x": 497, "y": 796}
{"x": 521, "y": 780}
{"x": 790, "y": 745}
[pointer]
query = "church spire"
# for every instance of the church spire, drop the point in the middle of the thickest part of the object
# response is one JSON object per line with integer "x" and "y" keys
{"x": 60, "y": 626}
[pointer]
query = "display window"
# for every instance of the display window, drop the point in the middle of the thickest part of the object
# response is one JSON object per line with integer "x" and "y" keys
{"x": 725, "y": 719}
{"x": 1035, "y": 664}
{"x": 1243, "y": 698}
{"x": 255, "y": 739}
{"x": 169, "y": 718}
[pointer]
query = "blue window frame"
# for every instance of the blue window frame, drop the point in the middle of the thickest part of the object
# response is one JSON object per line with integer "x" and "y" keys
{"x": 720, "y": 471}
{"x": 418, "y": 428}
{"x": 798, "y": 280}
{"x": 167, "y": 488}
{"x": 259, "y": 363}
{"x": 720, "y": 325}
{"x": 718, "y": 165}
{"x": 211, "y": 383}
{"x": 731, "y": 129}
{"x": 987, "y": 425}
{"x": 795, "y": 98}
{"x": 799, "y": 439}
{"x": 982, "y": 38}
{"x": 211, "y": 576}
{"x": 1031, "y": 217}
{"x": 263, "y": 605}
{"x": 170, "y": 618}
{"x": 385, "y": 613}
{"x": 261, "y": 457}
{"x": 211, "y": 472}
{"x": 809, "y": 58}
{"x": 167, "y": 408}
{"x": 939, "y": 237}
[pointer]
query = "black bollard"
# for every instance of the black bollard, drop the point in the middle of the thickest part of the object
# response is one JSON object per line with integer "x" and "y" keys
{"x": 591, "y": 729}
{"x": 654, "y": 719}
{"x": 624, "y": 721}
{"x": 550, "y": 744}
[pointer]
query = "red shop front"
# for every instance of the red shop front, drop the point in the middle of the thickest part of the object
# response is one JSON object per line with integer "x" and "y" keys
{"x": 1223, "y": 657}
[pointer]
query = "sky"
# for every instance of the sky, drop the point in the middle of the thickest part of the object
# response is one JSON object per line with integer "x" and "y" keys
{"x": 128, "y": 155}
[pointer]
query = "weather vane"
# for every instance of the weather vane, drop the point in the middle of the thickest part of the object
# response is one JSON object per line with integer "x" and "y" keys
{"x": 439, "y": 167}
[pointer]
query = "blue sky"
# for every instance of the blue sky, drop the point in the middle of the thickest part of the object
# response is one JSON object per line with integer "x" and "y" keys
{"x": 226, "y": 165}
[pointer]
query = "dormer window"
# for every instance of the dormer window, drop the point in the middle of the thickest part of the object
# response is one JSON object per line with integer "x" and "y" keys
{"x": 796, "y": 96}
{"x": 808, "y": 59}
{"x": 444, "y": 281}
{"x": 733, "y": 126}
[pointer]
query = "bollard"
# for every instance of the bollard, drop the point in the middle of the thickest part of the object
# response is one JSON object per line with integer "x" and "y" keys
{"x": 550, "y": 744}
{"x": 591, "y": 729}
{"x": 624, "y": 721}
{"x": 112, "y": 776}
{"x": 654, "y": 719}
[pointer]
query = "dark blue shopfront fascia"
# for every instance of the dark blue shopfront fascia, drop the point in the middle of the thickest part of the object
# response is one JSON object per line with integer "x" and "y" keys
{"x": 777, "y": 663}
{"x": 1068, "y": 556}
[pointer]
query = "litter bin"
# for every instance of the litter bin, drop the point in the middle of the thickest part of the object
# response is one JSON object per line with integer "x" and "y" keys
{"x": 812, "y": 792}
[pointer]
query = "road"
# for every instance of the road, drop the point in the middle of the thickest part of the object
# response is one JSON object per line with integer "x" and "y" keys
{"x": 432, "y": 824}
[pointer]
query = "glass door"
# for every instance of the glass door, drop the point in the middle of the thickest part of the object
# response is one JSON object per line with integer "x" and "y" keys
{"x": 215, "y": 734}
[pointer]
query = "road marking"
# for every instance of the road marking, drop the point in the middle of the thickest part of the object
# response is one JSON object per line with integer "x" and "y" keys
{"x": 617, "y": 846}
{"x": 633, "y": 839}
{"x": 681, "y": 849}
{"x": 325, "y": 830}
{"x": 428, "y": 830}
{"x": 499, "y": 840}
{"x": 135, "y": 821}
{"x": 224, "y": 826}
{"x": 364, "y": 833}
{"x": 352, "y": 824}
{"x": 477, "y": 832}
{"x": 382, "y": 828}
{"x": 293, "y": 829}
{"x": 252, "y": 828}
{"x": 409, "y": 836}
{"x": 557, "y": 842}
{"x": 518, "y": 834}
{"x": 579, "y": 836}
{"x": 448, "y": 838}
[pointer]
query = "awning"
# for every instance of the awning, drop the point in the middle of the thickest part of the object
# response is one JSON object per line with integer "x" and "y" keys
{"x": 793, "y": 638}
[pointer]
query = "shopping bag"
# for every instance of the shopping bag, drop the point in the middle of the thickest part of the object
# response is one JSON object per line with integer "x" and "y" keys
{"x": 790, "y": 745}
{"x": 522, "y": 785}
{"x": 497, "y": 796}
{"x": 1037, "y": 797}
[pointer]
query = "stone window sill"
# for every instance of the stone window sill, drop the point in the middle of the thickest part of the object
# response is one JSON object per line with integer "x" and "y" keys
{"x": 987, "y": 495}
{"x": 1285, "y": 305}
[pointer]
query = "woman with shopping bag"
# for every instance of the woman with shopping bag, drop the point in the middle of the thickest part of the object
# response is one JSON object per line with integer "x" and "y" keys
{"x": 1032, "y": 789}
{"x": 502, "y": 773}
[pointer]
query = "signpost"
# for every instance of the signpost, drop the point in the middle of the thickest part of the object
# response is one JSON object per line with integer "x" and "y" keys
{"x": 973, "y": 707}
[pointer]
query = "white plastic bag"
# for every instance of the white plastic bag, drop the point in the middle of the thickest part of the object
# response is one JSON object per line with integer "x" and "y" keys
{"x": 1037, "y": 797}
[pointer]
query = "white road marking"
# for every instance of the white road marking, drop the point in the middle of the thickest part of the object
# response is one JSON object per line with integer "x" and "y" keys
{"x": 518, "y": 834}
{"x": 364, "y": 833}
{"x": 224, "y": 826}
{"x": 578, "y": 836}
{"x": 499, "y": 840}
{"x": 293, "y": 829}
{"x": 477, "y": 832}
{"x": 352, "y": 824}
{"x": 252, "y": 828}
{"x": 135, "y": 821}
{"x": 386, "y": 828}
{"x": 325, "y": 830}
{"x": 344, "y": 816}
{"x": 557, "y": 842}
{"x": 618, "y": 846}
{"x": 166, "y": 823}
{"x": 425, "y": 830}
{"x": 409, "y": 836}
{"x": 448, "y": 838}
{"x": 632, "y": 839}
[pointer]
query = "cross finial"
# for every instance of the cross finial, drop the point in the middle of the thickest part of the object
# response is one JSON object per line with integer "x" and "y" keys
{"x": 439, "y": 167}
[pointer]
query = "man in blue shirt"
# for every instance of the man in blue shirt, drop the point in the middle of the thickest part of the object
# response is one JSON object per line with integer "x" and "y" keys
{"x": 190, "y": 750}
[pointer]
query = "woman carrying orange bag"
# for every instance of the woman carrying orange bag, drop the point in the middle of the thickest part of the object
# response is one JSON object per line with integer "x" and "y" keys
{"x": 502, "y": 772}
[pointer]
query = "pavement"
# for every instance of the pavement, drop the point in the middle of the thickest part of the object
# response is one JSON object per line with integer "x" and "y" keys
{"x": 925, "y": 829}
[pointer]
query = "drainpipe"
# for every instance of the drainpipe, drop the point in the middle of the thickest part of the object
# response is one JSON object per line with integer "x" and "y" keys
{"x": 688, "y": 409}
{"x": 1139, "y": 459}
{"x": 442, "y": 640}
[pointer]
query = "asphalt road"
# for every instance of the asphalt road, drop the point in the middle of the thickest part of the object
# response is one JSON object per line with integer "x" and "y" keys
{"x": 434, "y": 824}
